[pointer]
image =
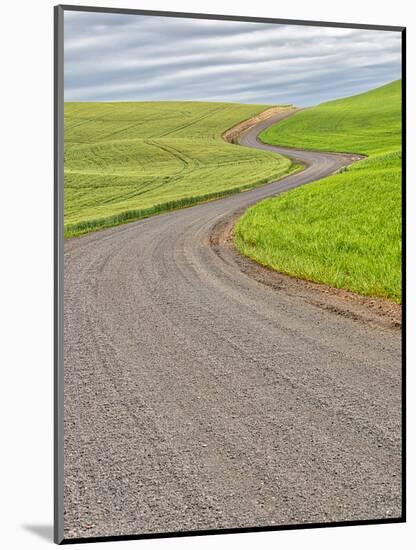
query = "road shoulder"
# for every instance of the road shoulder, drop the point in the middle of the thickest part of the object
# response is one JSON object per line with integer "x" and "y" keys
{"x": 342, "y": 302}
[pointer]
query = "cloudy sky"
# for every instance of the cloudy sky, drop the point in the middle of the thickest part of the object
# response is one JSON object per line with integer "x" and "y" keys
{"x": 117, "y": 57}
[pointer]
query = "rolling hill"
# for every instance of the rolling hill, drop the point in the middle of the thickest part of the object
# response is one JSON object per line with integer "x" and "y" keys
{"x": 125, "y": 161}
{"x": 345, "y": 230}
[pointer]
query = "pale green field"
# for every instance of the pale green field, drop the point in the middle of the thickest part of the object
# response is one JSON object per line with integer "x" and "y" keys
{"x": 345, "y": 230}
{"x": 125, "y": 161}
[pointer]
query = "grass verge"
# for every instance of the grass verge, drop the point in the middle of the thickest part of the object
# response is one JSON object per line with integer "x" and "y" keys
{"x": 81, "y": 228}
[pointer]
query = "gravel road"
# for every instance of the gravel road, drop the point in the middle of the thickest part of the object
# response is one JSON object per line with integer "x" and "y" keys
{"x": 198, "y": 398}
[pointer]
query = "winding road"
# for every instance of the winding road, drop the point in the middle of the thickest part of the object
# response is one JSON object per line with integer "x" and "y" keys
{"x": 197, "y": 397}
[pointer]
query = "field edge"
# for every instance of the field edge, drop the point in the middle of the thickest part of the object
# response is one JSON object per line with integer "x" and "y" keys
{"x": 229, "y": 136}
{"x": 128, "y": 216}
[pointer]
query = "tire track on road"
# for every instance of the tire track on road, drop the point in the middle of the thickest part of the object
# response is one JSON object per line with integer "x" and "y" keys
{"x": 197, "y": 397}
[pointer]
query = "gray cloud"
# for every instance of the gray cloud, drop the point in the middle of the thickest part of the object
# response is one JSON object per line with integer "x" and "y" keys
{"x": 112, "y": 57}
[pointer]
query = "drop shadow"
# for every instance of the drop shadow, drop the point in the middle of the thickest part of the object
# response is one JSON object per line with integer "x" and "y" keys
{"x": 44, "y": 532}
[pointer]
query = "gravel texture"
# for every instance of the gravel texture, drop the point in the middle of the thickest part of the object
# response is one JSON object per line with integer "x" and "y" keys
{"x": 198, "y": 397}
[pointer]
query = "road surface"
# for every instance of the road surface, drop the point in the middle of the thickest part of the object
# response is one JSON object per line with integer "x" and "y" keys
{"x": 197, "y": 397}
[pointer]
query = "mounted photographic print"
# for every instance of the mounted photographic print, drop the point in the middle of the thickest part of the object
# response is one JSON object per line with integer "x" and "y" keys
{"x": 229, "y": 202}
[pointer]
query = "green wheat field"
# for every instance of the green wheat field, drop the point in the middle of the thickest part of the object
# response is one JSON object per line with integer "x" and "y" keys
{"x": 125, "y": 161}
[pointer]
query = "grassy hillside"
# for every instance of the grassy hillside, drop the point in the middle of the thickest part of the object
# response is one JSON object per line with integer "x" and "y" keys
{"x": 125, "y": 161}
{"x": 368, "y": 123}
{"x": 345, "y": 230}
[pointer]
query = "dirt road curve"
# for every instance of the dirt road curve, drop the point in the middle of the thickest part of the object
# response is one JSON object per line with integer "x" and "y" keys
{"x": 198, "y": 398}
